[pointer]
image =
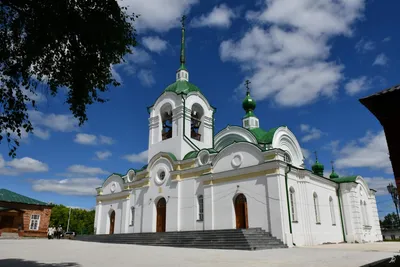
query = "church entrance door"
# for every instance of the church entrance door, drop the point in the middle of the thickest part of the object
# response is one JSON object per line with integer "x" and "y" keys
{"x": 241, "y": 212}
{"x": 161, "y": 214}
{"x": 112, "y": 222}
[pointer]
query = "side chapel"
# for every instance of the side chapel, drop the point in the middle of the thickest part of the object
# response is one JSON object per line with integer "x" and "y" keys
{"x": 242, "y": 177}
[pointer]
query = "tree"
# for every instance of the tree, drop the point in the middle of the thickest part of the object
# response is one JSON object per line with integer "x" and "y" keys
{"x": 58, "y": 44}
{"x": 390, "y": 221}
{"x": 81, "y": 221}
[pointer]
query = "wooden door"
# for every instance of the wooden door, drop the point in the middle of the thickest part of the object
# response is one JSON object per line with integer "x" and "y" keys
{"x": 161, "y": 214}
{"x": 6, "y": 222}
{"x": 112, "y": 222}
{"x": 241, "y": 212}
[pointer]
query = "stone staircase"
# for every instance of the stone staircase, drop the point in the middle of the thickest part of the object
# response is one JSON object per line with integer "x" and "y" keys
{"x": 237, "y": 239}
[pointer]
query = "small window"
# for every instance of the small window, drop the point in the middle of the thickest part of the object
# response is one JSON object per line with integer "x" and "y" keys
{"x": 200, "y": 208}
{"x": 132, "y": 216}
{"x": 316, "y": 209}
{"x": 332, "y": 208}
{"x": 288, "y": 159}
{"x": 162, "y": 175}
{"x": 34, "y": 223}
{"x": 246, "y": 123}
{"x": 179, "y": 75}
{"x": 292, "y": 197}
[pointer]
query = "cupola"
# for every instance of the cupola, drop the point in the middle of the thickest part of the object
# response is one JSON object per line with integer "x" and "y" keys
{"x": 318, "y": 168}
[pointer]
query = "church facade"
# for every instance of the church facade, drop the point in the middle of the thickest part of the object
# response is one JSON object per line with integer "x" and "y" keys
{"x": 241, "y": 177}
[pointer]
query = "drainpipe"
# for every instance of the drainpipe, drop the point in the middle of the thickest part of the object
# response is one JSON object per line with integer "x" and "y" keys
{"x": 184, "y": 122}
{"x": 213, "y": 127}
{"x": 340, "y": 211}
{"x": 287, "y": 170}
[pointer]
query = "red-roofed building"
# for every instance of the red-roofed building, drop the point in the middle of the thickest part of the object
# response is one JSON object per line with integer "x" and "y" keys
{"x": 23, "y": 215}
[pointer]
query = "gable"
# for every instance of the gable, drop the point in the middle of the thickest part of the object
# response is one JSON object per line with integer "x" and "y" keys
{"x": 237, "y": 155}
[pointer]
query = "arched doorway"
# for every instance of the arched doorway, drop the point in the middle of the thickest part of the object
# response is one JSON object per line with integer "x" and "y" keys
{"x": 241, "y": 212}
{"x": 112, "y": 222}
{"x": 161, "y": 214}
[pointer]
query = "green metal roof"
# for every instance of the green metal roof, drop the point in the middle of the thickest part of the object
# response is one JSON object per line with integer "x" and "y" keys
{"x": 182, "y": 87}
{"x": 347, "y": 179}
{"x": 190, "y": 155}
{"x": 193, "y": 154}
{"x": 9, "y": 196}
{"x": 262, "y": 136}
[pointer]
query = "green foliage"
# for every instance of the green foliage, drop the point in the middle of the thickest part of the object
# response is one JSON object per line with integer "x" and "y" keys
{"x": 81, "y": 221}
{"x": 58, "y": 44}
{"x": 390, "y": 221}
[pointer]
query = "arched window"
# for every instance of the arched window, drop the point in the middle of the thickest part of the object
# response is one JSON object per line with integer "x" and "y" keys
{"x": 332, "y": 208}
{"x": 362, "y": 212}
{"x": 293, "y": 208}
{"x": 196, "y": 122}
{"x": 366, "y": 213}
{"x": 200, "y": 208}
{"x": 166, "y": 120}
{"x": 132, "y": 216}
{"x": 316, "y": 209}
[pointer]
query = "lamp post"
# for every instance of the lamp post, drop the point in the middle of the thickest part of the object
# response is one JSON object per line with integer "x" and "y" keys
{"x": 395, "y": 197}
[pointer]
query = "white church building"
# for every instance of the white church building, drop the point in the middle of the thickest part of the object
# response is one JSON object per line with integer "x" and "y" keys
{"x": 241, "y": 177}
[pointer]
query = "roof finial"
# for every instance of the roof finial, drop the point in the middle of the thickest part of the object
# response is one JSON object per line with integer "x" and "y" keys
{"x": 333, "y": 168}
{"x": 316, "y": 156}
{"x": 183, "y": 59}
{"x": 247, "y": 83}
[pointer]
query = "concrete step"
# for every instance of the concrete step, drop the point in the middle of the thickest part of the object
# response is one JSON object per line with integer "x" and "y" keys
{"x": 241, "y": 239}
{"x": 9, "y": 235}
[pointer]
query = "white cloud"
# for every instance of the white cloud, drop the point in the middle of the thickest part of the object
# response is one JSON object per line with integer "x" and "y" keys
{"x": 132, "y": 62}
{"x": 379, "y": 184}
{"x": 103, "y": 155}
{"x": 380, "y": 60}
{"x": 370, "y": 151}
{"x": 158, "y": 15}
{"x": 221, "y": 16}
{"x": 70, "y": 186}
{"x": 81, "y": 169}
{"x": 312, "y": 133}
{"x": 363, "y": 83}
{"x": 154, "y": 43}
{"x": 146, "y": 78}
{"x": 85, "y": 139}
{"x": 106, "y": 140}
{"x": 387, "y": 39}
{"x": 91, "y": 139}
{"x": 357, "y": 85}
{"x": 55, "y": 122}
{"x": 364, "y": 46}
{"x": 40, "y": 133}
{"x": 137, "y": 158}
{"x": 287, "y": 58}
{"x": 22, "y": 165}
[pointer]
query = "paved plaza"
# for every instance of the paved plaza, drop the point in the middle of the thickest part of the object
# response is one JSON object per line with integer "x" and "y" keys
{"x": 68, "y": 253}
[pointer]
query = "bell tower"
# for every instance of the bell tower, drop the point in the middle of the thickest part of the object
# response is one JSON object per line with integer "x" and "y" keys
{"x": 181, "y": 120}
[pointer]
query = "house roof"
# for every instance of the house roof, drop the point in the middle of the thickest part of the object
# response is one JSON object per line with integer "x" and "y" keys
{"x": 9, "y": 196}
{"x": 384, "y": 92}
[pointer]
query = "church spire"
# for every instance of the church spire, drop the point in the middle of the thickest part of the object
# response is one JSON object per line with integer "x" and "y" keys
{"x": 317, "y": 168}
{"x": 182, "y": 73}
{"x": 249, "y": 105}
{"x": 183, "y": 59}
{"x": 333, "y": 175}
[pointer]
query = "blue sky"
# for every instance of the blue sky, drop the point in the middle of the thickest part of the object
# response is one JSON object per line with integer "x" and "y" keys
{"x": 308, "y": 64}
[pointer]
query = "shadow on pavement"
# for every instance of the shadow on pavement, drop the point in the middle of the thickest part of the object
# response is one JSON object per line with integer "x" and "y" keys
{"x": 389, "y": 262}
{"x": 24, "y": 263}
